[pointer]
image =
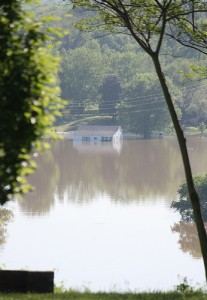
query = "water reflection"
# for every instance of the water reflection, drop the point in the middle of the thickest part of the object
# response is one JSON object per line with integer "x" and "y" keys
{"x": 44, "y": 181}
{"x": 95, "y": 210}
{"x": 143, "y": 170}
{"x": 5, "y": 217}
{"x": 102, "y": 147}
{"x": 188, "y": 236}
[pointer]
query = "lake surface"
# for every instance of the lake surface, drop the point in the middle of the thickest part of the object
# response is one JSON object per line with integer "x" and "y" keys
{"x": 101, "y": 217}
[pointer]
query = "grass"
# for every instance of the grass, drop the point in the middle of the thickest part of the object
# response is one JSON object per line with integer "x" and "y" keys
{"x": 181, "y": 292}
{"x": 194, "y": 131}
{"x": 86, "y": 121}
{"x": 74, "y": 295}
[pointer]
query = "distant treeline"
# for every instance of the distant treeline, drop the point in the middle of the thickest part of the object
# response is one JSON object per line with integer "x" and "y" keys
{"x": 106, "y": 74}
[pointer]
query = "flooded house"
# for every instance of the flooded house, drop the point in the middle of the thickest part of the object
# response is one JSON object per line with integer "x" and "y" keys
{"x": 93, "y": 139}
{"x": 97, "y": 134}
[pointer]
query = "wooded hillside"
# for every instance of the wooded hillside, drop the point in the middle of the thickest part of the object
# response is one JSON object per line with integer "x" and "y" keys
{"x": 89, "y": 59}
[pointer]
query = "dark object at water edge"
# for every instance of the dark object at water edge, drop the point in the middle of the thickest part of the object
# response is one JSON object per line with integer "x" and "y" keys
{"x": 26, "y": 281}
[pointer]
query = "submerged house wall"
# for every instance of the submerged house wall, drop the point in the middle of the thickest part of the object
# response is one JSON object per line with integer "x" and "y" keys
{"x": 97, "y": 134}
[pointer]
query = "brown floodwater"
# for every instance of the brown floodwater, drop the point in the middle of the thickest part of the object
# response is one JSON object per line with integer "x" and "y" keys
{"x": 101, "y": 217}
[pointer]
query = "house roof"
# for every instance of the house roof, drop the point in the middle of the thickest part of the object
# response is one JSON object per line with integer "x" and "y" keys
{"x": 96, "y": 130}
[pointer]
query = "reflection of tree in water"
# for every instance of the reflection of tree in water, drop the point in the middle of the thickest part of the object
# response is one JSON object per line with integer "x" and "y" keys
{"x": 5, "y": 216}
{"x": 136, "y": 173}
{"x": 188, "y": 238}
{"x": 78, "y": 178}
{"x": 186, "y": 227}
{"x": 44, "y": 181}
{"x": 143, "y": 169}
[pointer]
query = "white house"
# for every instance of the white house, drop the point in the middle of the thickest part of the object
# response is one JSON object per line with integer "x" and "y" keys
{"x": 97, "y": 134}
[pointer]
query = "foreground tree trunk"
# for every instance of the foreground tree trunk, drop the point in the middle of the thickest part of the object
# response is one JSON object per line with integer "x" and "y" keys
{"x": 188, "y": 173}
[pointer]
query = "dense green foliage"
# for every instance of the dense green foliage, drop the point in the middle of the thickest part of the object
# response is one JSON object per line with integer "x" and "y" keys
{"x": 183, "y": 205}
{"x": 28, "y": 92}
{"x": 87, "y": 58}
{"x": 111, "y": 92}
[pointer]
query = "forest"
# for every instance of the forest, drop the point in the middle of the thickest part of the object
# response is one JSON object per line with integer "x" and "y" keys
{"x": 106, "y": 79}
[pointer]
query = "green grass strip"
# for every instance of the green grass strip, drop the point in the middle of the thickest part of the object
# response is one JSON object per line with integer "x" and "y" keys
{"x": 73, "y": 295}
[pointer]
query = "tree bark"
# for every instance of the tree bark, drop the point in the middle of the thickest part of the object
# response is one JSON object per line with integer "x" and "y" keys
{"x": 184, "y": 152}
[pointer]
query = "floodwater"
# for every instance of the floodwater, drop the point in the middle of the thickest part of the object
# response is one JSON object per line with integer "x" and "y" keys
{"x": 101, "y": 217}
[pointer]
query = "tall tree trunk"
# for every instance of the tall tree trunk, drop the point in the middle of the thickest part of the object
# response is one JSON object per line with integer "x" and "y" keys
{"x": 188, "y": 173}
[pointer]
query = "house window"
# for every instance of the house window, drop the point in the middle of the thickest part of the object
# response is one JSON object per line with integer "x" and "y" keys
{"x": 106, "y": 138}
{"x": 86, "y": 139}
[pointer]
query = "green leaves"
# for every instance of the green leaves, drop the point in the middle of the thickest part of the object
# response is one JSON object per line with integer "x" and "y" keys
{"x": 183, "y": 205}
{"x": 28, "y": 91}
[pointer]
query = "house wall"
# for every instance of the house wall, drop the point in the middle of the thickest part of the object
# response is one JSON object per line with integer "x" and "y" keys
{"x": 99, "y": 138}
{"x": 118, "y": 135}
{"x": 77, "y": 138}
{"x": 93, "y": 139}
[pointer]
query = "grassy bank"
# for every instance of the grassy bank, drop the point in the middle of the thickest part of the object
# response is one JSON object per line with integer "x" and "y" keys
{"x": 71, "y": 295}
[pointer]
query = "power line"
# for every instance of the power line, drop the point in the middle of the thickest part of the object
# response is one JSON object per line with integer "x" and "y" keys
{"x": 118, "y": 108}
{"x": 133, "y": 103}
{"x": 192, "y": 87}
{"x": 128, "y": 100}
{"x": 143, "y": 101}
{"x": 145, "y": 110}
{"x": 121, "y": 112}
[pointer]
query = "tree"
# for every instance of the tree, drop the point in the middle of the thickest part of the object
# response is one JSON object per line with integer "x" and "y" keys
{"x": 202, "y": 128}
{"x": 194, "y": 106}
{"x": 28, "y": 93}
{"x": 183, "y": 204}
{"x": 143, "y": 113}
{"x": 80, "y": 77}
{"x": 186, "y": 226}
{"x": 111, "y": 91}
{"x": 150, "y": 23}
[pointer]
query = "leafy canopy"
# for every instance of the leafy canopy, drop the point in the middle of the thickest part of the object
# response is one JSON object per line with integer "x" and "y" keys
{"x": 148, "y": 21}
{"x": 28, "y": 93}
{"x": 183, "y": 204}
